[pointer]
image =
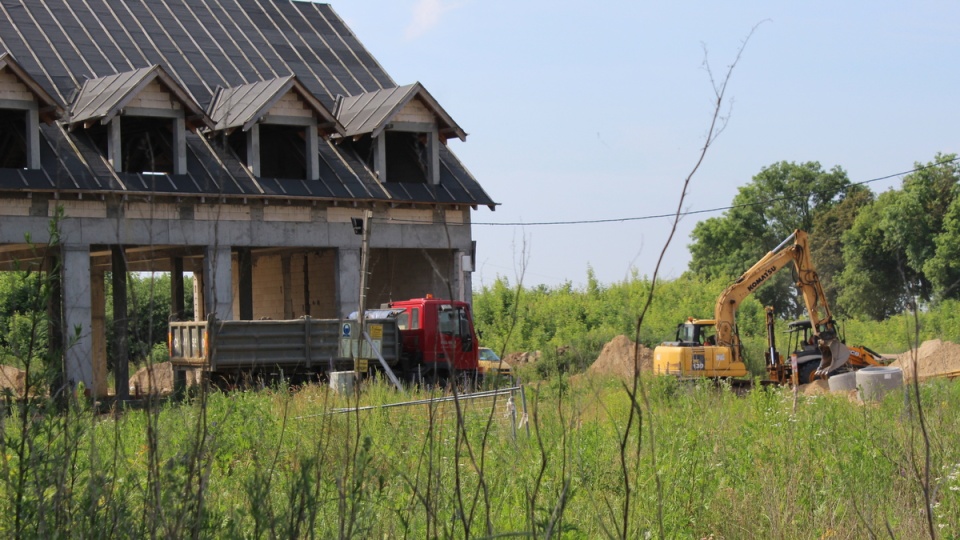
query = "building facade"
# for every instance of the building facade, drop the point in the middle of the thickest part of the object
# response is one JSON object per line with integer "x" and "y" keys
{"x": 239, "y": 140}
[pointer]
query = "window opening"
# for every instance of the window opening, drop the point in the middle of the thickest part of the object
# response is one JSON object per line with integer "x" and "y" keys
{"x": 283, "y": 151}
{"x": 237, "y": 141}
{"x": 408, "y": 157}
{"x": 13, "y": 141}
{"x": 146, "y": 144}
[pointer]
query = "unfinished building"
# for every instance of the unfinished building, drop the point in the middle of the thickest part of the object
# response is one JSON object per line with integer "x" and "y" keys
{"x": 237, "y": 140}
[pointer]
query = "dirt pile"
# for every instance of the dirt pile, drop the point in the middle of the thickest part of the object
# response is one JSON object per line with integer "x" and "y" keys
{"x": 618, "y": 358}
{"x": 162, "y": 378}
{"x": 934, "y": 357}
{"x": 521, "y": 358}
{"x": 12, "y": 378}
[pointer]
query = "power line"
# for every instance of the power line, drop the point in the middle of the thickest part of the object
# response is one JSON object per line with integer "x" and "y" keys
{"x": 694, "y": 212}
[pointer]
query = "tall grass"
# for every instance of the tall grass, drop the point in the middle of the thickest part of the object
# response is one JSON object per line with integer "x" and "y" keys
{"x": 275, "y": 464}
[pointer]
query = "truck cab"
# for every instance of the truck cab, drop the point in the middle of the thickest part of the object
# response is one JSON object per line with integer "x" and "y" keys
{"x": 438, "y": 335}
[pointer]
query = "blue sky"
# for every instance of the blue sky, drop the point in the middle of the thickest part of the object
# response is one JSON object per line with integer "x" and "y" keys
{"x": 598, "y": 110}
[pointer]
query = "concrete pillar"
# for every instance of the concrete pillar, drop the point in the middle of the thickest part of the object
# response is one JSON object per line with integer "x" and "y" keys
{"x": 348, "y": 280}
{"x": 253, "y": 149}
{"x": 313, "y": 153}
{"x": 176, "y": 288}
{"x": 179, "y": 145}
{"x": 199, "y": 299}
{"x": 121, "y": 324}
{"x": 245, "y": 277}
{"x": 218, "y": 282}
{"x": 114, "y": 152}
{"x": 98, "y": 326}
{"x": 77, "y": 316}
{"x": 287, "y": 285}
{"x": 33, "y": 136}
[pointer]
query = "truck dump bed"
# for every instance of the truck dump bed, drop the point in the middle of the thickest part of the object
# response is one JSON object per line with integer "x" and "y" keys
{"x": 291, "y": 345}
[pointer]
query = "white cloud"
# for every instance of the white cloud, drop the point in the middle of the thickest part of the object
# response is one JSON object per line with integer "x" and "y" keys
{"x": 426, "y": 15}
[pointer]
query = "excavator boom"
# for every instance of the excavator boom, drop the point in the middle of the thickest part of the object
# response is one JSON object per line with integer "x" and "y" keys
{"x": 794, "y": 249}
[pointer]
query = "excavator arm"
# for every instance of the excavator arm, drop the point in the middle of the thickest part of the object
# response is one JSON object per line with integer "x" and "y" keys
{"x": 808, "y": 282}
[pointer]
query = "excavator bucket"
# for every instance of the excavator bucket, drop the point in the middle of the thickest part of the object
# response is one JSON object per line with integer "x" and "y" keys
{"x": 835, "y": 354}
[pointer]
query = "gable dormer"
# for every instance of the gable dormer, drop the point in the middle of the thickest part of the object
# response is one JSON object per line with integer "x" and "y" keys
{"x": 274, "y": 127}
{"x": 397, "y": 132}
{"x": 139, "y": 120}
{"x": 23, "y": 105}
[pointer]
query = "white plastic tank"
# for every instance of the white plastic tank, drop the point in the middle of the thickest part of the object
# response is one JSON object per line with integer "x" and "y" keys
{"x": 843, "y": 382}
{"x": 875, "y": 381}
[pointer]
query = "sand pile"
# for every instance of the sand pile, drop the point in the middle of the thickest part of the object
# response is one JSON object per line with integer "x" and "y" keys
{"x": 162, "y": 378}
{"x": 12, "y": 378}
{"x": 618, "y": 358}
{"x": 521, "y": 358}
{"x": 934, "y": 357}
{"x": 816, "y": 388}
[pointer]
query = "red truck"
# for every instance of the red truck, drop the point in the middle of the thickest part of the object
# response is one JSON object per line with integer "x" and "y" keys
{"x": 438, "y": 338}
{"x": 417, "y": 339}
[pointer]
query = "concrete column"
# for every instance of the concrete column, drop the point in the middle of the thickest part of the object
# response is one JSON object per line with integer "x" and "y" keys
{"x": 176, "y": 288}
{"x": 313, "y": 153}
{"x": 287, "y": 285}
{"x": 245, "y": 289}
{"x": 199, "y": 303}
{"x": 121, "y": 324}
{"x": 218, "y": 282}
{"x": 114, "y": 149}
{"x": 77, "y": 316}
{"x": 98, "y": 325}
{"x": 253, "y": 149}
{"x": 433, "y": 149}
{"x": 33, "y": 136}
{"x": 179, "y": 145}
{"x": 348, "y": 280}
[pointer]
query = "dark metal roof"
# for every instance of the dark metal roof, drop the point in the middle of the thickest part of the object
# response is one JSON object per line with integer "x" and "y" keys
{"x": 370, "y": 112}
{"x": 242, "y": 106}
{"x": 50, "y": 107}
{"x": 103, "y": 98}
{"x": 196, "y": 47}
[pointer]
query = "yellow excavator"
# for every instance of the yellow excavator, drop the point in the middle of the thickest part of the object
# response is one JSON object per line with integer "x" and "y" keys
{"x": 711, "y": 348}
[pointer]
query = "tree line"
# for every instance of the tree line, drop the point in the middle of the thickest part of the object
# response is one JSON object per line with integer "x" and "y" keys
{"x": 876, "y": 255}
{"x": 23, "y": 326}
{"x": 879, "y": 258}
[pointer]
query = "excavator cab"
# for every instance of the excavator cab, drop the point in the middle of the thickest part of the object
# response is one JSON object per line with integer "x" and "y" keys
{"x": 694, "y": 333}
{"x": 695, "y": 354}
{"x": 803, "y": 343}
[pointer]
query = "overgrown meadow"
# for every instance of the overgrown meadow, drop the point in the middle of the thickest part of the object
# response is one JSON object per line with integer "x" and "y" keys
{"x": 278, "y": 463}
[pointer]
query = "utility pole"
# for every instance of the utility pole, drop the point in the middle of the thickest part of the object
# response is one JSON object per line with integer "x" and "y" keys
{"x": 364, "y": 270}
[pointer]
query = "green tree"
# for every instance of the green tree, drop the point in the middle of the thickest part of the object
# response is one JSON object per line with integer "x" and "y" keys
{"x": 903, "y": 246}
{"x": 828, "y": 233}
{"x": 873, "y": 283}
{"x": 943, "y": 269}
{"x": 781, "y": 198}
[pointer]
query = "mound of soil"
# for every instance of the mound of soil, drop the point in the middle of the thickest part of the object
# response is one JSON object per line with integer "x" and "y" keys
{"x": 162, "y": 378}
{"x": 12, "y": 378}
{"x": 934, "y": 358}
{"x": 521, "y": 358}
{"x": 815, "y": 388}
{"x": 618, "y": 358}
